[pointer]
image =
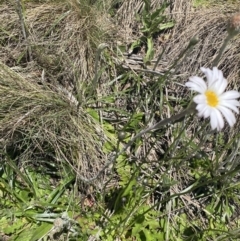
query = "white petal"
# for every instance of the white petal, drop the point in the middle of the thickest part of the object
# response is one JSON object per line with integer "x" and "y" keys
{"x": 209, "y": 75}
{"x": 200, "y": 99}
{"x": 203, "y": 69}
{"x": 200, "y": 108}
{"x": 229, "y": 116}
{"x": 231, "y": 104}
{"x": 213, "y": 121}
{"x": 207, "y": 112}
{"x": 207, "y": 72}
{"x": 196, "y": 83}
{"x": 229, "y": 95}
{"x": 219, "y": 73}
{"x": 216, "y": 119}
{"x": 204, "y": 111}
{"x": 220, "y": 86}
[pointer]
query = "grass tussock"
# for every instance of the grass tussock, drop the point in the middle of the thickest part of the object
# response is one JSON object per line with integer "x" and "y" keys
{"x": 63, "y": 38}
{"x": 44, "y": 121}
{"x": 39, "y": 124}
{"x": 209, "y": 26}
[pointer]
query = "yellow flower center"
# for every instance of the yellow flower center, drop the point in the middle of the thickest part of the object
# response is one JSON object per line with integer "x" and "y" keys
{"x": 212, "y": 98}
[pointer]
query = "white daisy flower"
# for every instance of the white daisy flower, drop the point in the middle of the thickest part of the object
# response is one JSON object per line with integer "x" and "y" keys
{"x": 213, "y": 101}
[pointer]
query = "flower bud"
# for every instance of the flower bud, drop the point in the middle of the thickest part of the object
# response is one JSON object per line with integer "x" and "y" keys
{"x": 194, "y": 41}
{"x": 121, "y": 135}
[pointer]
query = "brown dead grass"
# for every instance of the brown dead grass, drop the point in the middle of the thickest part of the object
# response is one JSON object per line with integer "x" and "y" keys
{"x": 40, "y": 120}
{"x": 63, "y": 38}
{"x": 40, "y": 125}
{"x": 207, "y": 24}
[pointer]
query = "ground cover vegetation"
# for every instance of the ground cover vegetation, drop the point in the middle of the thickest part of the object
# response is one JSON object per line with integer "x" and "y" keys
{"x": 99, "y": 136}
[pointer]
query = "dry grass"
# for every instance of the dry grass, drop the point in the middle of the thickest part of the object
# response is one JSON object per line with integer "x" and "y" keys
{"x": 40, "y": 119}
{"x": 209, "y": 26}
{"x": 42, "y": 124}
{"x": 63, "y": 37}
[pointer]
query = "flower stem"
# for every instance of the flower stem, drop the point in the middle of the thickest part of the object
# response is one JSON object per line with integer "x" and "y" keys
{"x": 190, "y": 109}
{"x": 216, "y": 60}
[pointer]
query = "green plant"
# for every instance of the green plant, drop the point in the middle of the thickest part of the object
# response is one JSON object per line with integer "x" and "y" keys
{"x": 153, "y": 22}
{"x": 30, "y": 207}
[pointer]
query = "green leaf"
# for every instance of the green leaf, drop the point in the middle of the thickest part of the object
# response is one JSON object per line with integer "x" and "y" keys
{"x": 157, "y": 15}
{"x": 58, "y": 192}
{"x": 136, "y": 229}
{"x": 134, "y": 121}
{"x": 135, "y": 44}
{"x": 148, "y": 235}
{"x": 166, "y": 25}
{"x": 25, "y": 234}
{"x": 41, "y": 231}
{"x": 93, "y": 113}
{"x": 150, "y": 52}
{"x": 147, "y": 6}
{"x": 129, "y": 187}
{"x": 14, "y": 226}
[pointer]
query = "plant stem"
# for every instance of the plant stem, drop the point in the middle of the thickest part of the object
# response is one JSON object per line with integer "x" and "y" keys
{"x": 216, "y": 60}
{"x": 191, "y": 109}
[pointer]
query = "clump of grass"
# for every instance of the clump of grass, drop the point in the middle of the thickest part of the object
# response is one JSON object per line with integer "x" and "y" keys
{"x": 38, "y": 123}
{"x": 63, "y": 37}
{"x": 70, "y": 37}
